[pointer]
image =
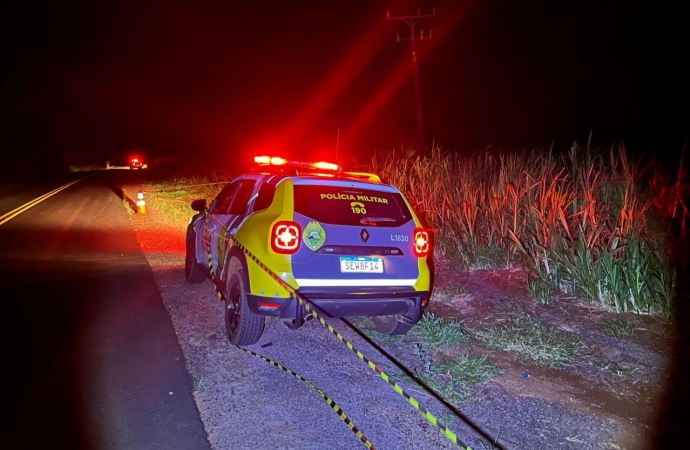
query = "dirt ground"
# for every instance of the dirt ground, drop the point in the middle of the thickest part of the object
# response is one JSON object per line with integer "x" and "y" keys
{"x": 633, "y": 400}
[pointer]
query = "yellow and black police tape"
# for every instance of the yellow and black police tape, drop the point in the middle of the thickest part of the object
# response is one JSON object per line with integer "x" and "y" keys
{"x": 334, "y": 406}
{"x": 311, "y": 308}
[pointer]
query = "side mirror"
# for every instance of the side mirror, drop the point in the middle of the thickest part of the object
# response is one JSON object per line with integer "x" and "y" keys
{"x": 199, "y": 204}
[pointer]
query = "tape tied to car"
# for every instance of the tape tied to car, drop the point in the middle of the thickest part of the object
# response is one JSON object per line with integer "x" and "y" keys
{"x": 333, "y": 405}
{"x": 313, "y": 309}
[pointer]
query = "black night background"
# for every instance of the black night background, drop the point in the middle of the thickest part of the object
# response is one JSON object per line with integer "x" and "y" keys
{"x": 85, "y": 82}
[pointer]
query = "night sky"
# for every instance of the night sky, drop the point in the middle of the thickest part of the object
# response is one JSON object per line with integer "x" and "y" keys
{"x": 89, "y": 81}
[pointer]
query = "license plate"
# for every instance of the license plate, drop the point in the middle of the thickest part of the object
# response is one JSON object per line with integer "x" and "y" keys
{"x": 351, "y": 264}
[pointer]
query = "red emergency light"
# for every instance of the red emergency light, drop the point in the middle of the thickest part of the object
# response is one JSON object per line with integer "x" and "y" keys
{"x": 277, "y": 161}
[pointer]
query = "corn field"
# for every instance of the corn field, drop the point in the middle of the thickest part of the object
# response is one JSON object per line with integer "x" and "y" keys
{"x": 587, "y": 223}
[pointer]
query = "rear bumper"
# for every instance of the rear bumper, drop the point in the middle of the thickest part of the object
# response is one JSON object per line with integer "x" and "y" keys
{"x": 343, "y": 302}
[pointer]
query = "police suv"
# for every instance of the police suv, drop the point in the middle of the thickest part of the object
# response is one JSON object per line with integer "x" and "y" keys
{"x": 345, "y": 242}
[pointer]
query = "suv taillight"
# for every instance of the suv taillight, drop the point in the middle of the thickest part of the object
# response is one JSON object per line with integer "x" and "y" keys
{"x": 421, "y": 242}
{"x": 285, "y": 237}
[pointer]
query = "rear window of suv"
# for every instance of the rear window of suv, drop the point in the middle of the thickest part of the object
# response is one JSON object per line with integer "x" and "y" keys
{"x": 351, "y": 206}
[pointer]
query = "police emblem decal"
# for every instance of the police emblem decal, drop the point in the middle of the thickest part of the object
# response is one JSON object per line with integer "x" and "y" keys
{"x": 314, "y": 235}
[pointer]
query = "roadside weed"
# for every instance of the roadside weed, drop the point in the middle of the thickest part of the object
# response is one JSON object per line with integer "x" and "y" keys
{"x": 371, "y": 405}
{"x": 468, "y": 368}
{"x": 428, "y": 374}
{"x": 612, "y": 368}
{"x": 173, "y": 197}
{"x": 198, "y": 382}
{"x": 451, "y": 379}
{"x": 533, "y": 340}
{"x": 454, "y": 378}
{"x": 436, "y": 332}
{"x": 620, "y": 327}
{"x": 448, "y": 419}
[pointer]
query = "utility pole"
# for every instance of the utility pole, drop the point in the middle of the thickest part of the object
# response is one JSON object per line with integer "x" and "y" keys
{"x": 411, "y": 21}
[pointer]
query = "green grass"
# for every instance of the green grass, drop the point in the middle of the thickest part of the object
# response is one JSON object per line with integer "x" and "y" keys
{"x": 433, "y": 331}
{"x": 198, "y": 382}
{"x": 437, "y": 332}
{"x": 173, "y": 197}
{"x": 534, "y": 340}
{"x": 468, "y": 368}
{"x": 428, "y": 374}
{"x": 175, "y": 210}
{"x": 613, "y": 368}
{"x": 449, "y": 419}
{"x": 619, "y": 328}
{"x": 454, "y": 378}
{"x": 183, "y": 194}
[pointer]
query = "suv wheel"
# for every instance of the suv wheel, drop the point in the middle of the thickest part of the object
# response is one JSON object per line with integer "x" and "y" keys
{"x": 192, "y": 271}
{"x": 242, "y": 326}
{"x": 390, "y": 325}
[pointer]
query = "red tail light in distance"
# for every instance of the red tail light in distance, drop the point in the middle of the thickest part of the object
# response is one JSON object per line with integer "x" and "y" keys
{"x": 421, "y": 242}
{"x": 285, "y": 237}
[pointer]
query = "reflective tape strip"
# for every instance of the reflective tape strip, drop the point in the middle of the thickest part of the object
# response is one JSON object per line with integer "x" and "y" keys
{"x": 311, "y": 308}
{"x": 333, "y": 405}
{"x": 219, "y": 294}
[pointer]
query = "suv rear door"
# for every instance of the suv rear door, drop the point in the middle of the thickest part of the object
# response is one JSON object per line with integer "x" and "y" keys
{"x": 353, "y": 234}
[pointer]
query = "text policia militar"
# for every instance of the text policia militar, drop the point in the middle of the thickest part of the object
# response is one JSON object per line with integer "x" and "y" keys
{"x": 361, "y": 198}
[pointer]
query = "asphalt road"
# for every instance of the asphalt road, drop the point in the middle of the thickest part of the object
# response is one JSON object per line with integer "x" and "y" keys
{"x": 90, "y": 358}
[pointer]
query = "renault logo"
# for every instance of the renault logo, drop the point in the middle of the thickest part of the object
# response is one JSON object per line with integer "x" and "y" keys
{"x": 364, "y": 235}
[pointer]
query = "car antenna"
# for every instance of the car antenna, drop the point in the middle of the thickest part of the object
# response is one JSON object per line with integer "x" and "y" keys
{"x": 337, "y": 138}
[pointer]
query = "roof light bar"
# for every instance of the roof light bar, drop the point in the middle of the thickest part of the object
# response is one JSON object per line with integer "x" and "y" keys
{"x": 325, "y": 165}
{"x": 365, "y": 176}
{"x": 270, "y": 160}
{"x": 277, "y": 161}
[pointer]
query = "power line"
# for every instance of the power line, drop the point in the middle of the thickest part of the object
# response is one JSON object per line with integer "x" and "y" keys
{"x": 411, "y": 21}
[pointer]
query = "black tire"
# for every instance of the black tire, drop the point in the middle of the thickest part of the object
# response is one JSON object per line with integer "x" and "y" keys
{"x": 192, "y": 271}
{"x": 242, "y": 326}
{"x": 390, "y": 325}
